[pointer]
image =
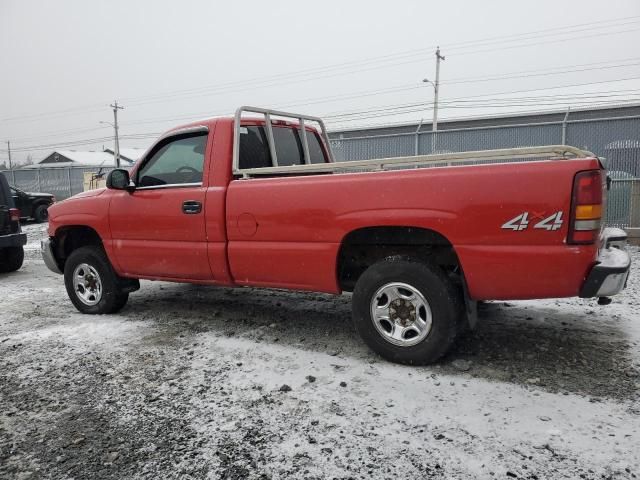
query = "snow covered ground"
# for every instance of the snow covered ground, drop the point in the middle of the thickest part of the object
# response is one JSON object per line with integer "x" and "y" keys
{"x": 197, "y": 382}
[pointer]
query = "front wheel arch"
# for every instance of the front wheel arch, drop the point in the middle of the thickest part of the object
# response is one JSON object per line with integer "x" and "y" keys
{"x": 69, "y": 238}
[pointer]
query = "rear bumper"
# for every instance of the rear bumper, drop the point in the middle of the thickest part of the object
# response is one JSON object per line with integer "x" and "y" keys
{"x": 609, "y": 275}
{"x": 48, "y": 257}
{"x": 13, "y": 240}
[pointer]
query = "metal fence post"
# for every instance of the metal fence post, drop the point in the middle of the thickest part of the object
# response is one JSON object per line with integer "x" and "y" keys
{"x": 633, "y": 230}
{"x": 564, "y": 127}
{"x": 38, "y": 180}
{"x": 69, "y": 180}
{"x": 416, "y": 148}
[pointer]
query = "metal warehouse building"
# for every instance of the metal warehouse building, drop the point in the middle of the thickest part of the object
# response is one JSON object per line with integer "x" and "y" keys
{"x": 612, "y": 132}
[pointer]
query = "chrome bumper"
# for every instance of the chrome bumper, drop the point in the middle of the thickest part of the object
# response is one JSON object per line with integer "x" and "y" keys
{"x": 609, "y": 275}
{"x": 48, "y": 257}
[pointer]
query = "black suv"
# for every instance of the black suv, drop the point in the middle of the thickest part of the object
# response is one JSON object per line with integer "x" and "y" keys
{"x": 11, "y": 237}
{"x": 32, "y": 205}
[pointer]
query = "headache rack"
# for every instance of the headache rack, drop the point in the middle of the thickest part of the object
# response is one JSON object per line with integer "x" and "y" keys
{"x": 547, "y": 152}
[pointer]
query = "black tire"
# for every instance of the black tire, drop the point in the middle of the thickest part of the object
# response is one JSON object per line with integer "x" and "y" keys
{"x": 444, "y": 300}
{"x": 11, "y": 259}
{"x": 41, "y": 213}
{"x": 112, "y": 298}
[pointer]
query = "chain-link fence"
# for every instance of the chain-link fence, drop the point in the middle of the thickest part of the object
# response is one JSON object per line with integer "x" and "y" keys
{"x": 616, "y": 139}
{"x": 623, "y": 203}
{"x": 63, "y": 182}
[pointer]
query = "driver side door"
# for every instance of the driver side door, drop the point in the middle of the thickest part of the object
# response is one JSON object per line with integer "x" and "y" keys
{"x": 158, "y": 230}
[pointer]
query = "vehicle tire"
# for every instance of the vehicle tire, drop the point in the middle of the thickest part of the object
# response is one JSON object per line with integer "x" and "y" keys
{"x": 11, "y": 259}
{"x": 407, "y": 311}
{"x": 41, "y": 213}
{"x": 91, "y": 283}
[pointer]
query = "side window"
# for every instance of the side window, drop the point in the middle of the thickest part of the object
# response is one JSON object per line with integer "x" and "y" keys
{"x": 254, "y": 148}
{"x": 315, "y": 149}
{"x": 288, "y": 146}
{"x": 176, "y": 162}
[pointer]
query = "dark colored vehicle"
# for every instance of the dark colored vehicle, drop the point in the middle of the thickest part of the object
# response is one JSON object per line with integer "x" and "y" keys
{"x": 12, "y": 239}
{"x": 32, "y": 205}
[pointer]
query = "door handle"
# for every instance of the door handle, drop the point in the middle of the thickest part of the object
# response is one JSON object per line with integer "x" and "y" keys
{"x": 191, "y": 207}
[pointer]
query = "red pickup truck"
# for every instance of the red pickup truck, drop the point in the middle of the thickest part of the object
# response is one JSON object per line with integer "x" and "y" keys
{"x": 258, "y": 201}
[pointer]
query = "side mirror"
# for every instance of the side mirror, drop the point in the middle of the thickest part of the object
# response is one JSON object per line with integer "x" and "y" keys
{"x": 118, "y": 179}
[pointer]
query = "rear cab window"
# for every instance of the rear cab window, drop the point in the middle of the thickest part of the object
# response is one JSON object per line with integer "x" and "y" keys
{"x": 254, "y": 147}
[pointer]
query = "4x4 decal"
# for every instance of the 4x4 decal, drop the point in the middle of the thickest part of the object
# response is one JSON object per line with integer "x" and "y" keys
{"x": 522, "y": 221}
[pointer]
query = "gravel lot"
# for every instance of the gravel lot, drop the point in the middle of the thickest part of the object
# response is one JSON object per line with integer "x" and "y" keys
{"x": 197, "y": 382}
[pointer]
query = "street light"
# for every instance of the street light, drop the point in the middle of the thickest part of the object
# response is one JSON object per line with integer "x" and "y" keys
{"x": 434, "y": 124}
{"x": 426, "y": 80}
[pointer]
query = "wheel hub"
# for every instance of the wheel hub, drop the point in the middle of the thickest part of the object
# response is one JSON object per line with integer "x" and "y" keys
{"x": 90, "y": 282}
{"x": 402, "y": 312}
{"x": 87, "y": 284}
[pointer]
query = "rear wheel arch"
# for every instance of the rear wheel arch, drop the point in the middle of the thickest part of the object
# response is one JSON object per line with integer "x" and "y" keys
{"x": 363, "y": 247}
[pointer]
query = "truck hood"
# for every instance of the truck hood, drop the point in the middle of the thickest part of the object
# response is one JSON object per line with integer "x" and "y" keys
{"x": 78, "y": 196}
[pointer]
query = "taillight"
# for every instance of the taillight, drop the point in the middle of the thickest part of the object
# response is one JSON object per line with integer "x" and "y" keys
{"x": 586, "y": 207}
{"x": 14, "y": 213}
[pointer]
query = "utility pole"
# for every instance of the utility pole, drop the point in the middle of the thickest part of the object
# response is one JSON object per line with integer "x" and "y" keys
{"x": 9, "y": 153}
{"x": 436, "y": 88}
{"x": 116, "y": 107}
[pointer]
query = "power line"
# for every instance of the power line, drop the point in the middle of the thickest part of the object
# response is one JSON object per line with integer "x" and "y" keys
{"x": 540, "y": 73}
{"x": 497, "y": 101}
{"x": 571, "y": 30}
{"x": 510, "y": 47}
{"x": 315, "y": 100}
{"x": 394, "y": 56}
{"x": 385, "y": 111}
{"x": 337, "y": 128}
{"x": 81, "y": 142}
{"x": 240, "y": 87}
{"x": 566, "y": 30}
{"x": 492, "y": 101}
{"x": 312, "y": 101}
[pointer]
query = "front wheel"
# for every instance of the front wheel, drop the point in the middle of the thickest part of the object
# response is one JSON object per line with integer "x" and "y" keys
{"x": 407, "y": 311}
{"x": 91, "y": 283}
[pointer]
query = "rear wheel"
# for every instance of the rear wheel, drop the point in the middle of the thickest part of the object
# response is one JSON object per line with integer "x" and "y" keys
{"x": 407, "y": 311}
{"x": 41, "y": 213}
{"x": 91, "y": 283}
{"x": 11, "y": 259}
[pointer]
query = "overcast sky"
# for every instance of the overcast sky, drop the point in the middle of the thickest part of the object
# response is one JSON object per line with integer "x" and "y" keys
{"x": 167, "y": 63}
